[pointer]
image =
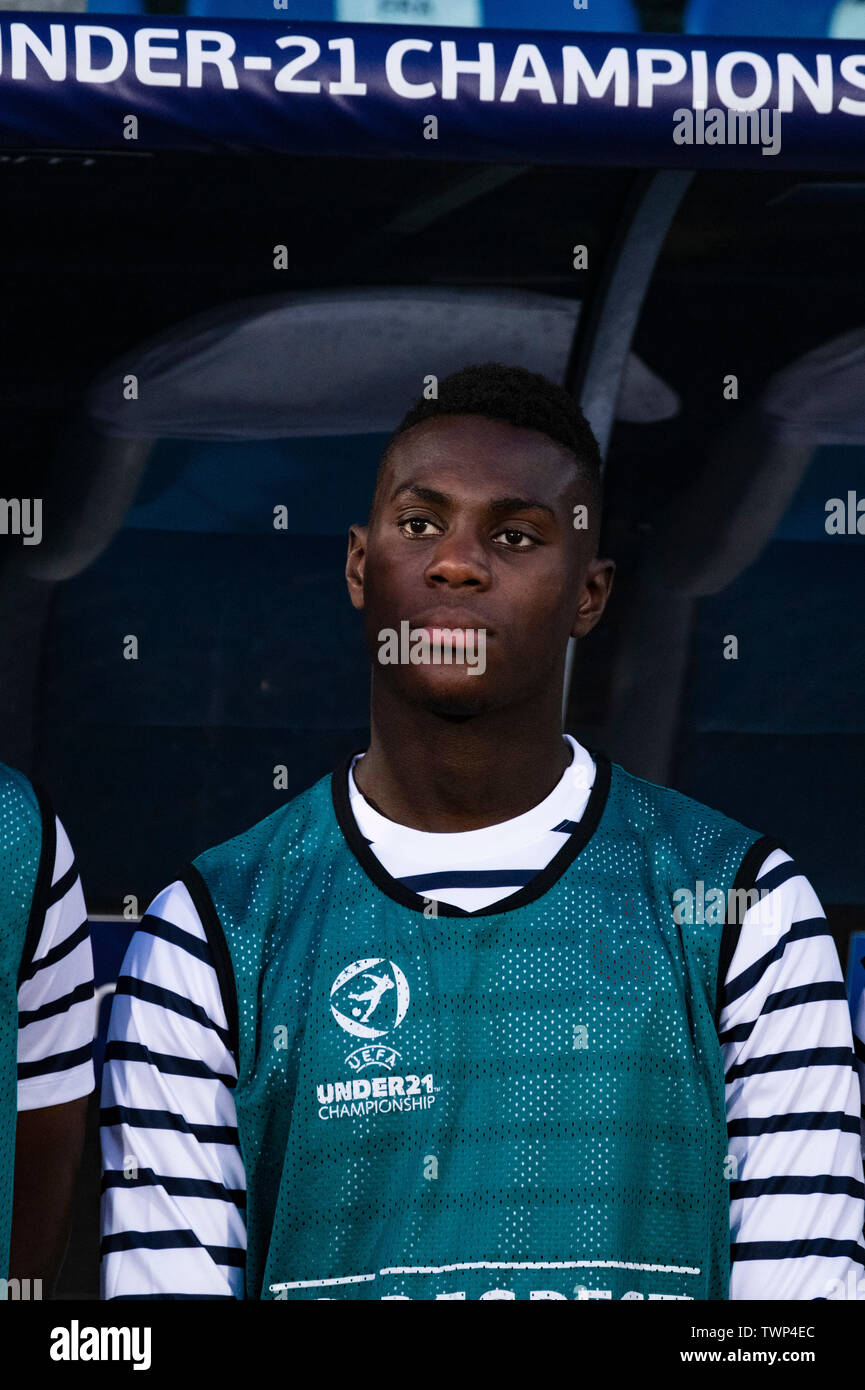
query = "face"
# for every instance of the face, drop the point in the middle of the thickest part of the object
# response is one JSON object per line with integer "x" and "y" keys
{"x": 473, "y": 528}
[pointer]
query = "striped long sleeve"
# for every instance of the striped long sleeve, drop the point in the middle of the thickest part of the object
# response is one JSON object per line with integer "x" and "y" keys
{"x": 56, "y": 1014}
{"x": 796, "y": 1210}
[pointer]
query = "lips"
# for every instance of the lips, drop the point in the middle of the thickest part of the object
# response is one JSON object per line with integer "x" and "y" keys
{"x": 457, "y": 620}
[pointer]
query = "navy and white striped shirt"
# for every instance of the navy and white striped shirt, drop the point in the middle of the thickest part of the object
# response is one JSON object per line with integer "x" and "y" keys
{"x": 174, "y": 1186}
{"x": 56, "y": 1011}
{"x": 857, "y": 1013}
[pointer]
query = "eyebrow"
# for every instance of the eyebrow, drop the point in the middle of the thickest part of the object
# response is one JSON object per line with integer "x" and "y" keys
{"x": 496, "y": 504}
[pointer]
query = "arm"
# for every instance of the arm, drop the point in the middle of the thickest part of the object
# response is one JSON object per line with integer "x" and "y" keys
{"x": 48, "y": 1148}
{"x": 797, "y": 1199}
{"x": 56, "y": 1024}
{"x": 173, "y": 1183}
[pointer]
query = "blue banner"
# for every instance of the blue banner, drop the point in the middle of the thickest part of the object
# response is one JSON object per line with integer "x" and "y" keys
{"x": 115, "y": 82}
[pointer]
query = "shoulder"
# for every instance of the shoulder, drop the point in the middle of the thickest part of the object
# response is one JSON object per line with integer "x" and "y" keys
{"x": 288, "y": 826}
{"x": 29, "y": 845}
{"x": 685, "y": 836}
{"x": 21, "y": 802}
{"x": 658, "y": 805}
{"x": 11, "y": 779}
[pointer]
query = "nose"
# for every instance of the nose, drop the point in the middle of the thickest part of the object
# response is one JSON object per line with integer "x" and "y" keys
{"x": 458, "y": 561}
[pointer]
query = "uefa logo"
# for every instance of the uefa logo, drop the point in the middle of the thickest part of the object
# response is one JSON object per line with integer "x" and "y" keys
{"x": 370, "y": 997}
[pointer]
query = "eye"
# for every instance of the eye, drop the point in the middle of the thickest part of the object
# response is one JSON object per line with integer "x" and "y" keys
{"x": 522, "y": 535}
{"x": 413, "y": 521}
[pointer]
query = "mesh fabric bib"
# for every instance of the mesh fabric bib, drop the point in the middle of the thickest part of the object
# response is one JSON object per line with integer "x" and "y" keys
{"x": 524, "y": 1102}
{"x": 22, "y": 864}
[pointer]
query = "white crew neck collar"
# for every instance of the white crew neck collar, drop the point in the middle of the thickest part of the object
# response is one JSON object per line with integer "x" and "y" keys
{"x": 566, "y": 802}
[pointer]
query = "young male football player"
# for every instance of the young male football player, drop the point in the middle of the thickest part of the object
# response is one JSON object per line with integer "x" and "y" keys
{"x": 47, "y": 1025}
{"x": 444, "y": 1026}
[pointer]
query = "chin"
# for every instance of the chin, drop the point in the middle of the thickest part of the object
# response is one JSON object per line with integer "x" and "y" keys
{"x": 455, "y": 712}
{"x": 456, "y": 703}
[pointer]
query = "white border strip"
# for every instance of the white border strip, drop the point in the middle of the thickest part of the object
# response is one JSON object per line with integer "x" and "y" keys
{"x": 485, "y": 1264}
{"x": 324, "y": 1283}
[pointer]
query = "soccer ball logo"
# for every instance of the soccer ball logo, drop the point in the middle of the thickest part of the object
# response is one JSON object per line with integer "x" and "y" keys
{"x": 370, "y": 997}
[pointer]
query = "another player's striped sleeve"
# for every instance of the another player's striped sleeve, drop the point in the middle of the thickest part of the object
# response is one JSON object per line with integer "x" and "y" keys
{"x": 56, "y": 1010}
{"x": 173, "y": 1187}
{"x": 857, "y": 1018}
{"x": 797, "y": 1198}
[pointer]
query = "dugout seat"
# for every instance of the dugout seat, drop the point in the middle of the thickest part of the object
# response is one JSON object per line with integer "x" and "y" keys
{"x": 766, "y": 571}
{"x": 837, "y": 19}
{"x": 614, "y": 16}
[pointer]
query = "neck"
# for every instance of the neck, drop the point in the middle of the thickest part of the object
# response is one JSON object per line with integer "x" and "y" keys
{"x": 435, "y": 774}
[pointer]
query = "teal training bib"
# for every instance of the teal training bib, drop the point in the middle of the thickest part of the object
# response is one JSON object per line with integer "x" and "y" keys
{"x": 525, "y": 1102}
{"x": 23, "y": 865}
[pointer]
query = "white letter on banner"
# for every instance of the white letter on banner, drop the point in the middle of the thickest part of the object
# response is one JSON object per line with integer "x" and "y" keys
{"x": 84, "y": 69}
{"x": 819, "y": 91}
{"x": 146, "y": 52}
{"x": 648, "y": 79}
{"x": 518, "y": 80}
{"x": 700, "y": 79}
{"x": 347, "y": 84}
{"x": 22, "y": 38}
{"x": 197, "y": 56}
{"x": 420, "y": 91}
{"x": 762, "y": 81}
{"x": 484, "y": 65}
{"x": 851, "y": 71}
{"x": 576, "y": 69}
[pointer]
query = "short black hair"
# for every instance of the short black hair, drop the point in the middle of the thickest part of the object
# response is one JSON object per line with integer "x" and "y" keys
{"x": 519, "y": 397}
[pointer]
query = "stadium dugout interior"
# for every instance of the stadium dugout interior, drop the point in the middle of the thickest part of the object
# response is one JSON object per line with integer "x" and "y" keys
{"x": 279, "y": 387}
{"x": 146, "y": 533}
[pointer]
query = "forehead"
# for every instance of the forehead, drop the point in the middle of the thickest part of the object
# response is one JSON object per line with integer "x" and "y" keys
{"x": 482, "y": 456}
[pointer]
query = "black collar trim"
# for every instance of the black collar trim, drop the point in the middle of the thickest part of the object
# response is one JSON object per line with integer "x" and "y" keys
{"x": 529, "y": 893}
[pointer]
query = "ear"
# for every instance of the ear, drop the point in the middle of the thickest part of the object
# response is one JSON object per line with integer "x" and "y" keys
{"x": 354, "y": 565}
{"x": 596, "y": 590}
